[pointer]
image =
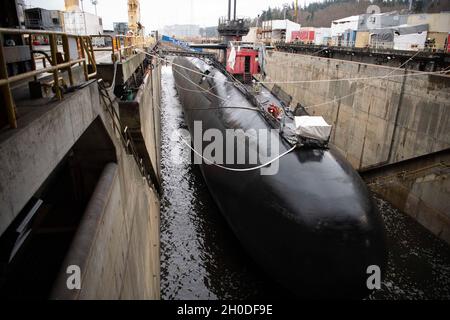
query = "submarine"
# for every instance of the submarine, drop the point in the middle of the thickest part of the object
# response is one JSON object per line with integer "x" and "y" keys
{"x": 312, "y": 226}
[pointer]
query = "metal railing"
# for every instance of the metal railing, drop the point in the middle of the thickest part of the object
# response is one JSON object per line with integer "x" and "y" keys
{"x": 70, "y": 43}
{"x": 75, "y": 49}
{"x": 123, "y": 46}
{"x": 375, "y": 44}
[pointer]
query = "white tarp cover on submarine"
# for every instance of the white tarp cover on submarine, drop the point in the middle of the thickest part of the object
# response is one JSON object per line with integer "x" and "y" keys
{"x": 312, "y": 127}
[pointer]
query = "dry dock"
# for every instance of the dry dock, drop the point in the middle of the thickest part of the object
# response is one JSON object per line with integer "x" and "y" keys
{"x": 79, "y": 184}
{"x": 390, "y": 120}
{"x": 202, "y": 259}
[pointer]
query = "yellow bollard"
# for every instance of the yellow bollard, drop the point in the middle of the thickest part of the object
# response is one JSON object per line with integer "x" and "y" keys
{"x": 6, "y": 90}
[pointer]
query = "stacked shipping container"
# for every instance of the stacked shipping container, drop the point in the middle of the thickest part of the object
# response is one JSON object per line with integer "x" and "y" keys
{"x": 383, "y": 30}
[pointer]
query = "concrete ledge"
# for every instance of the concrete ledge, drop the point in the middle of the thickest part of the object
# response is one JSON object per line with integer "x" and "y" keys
{"x": 420, "y": 187}
{"x": 126, "y": 68}
{"x": 30, "y": 153}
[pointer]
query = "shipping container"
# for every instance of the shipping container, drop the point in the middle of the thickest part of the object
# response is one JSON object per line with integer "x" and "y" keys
{"x": 437, "y": 41}
{"x": 437, "y": 22}
{"x": 338, "y": 27}
{"x": 322, "y": 36}
{"x": 410, "y": 41}
{"x": 362, "y": 39}
{"x": 305, "y": 35}
{"x": 291, "y": 27}
{"x": 349, "y": 38}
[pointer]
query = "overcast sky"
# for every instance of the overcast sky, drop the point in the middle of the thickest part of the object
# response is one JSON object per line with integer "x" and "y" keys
{"x": 158, "y": 13}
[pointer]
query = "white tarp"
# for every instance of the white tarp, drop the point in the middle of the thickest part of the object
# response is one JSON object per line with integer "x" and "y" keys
{"x": 232, "y": 57}
{"x": 312, "y": 127}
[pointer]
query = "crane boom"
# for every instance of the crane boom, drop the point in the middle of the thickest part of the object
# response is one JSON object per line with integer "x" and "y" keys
{"x": 134, "y": 16}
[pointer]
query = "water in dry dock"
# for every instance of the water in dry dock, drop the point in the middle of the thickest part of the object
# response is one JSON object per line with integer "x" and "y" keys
{"x": 201, "y": 258}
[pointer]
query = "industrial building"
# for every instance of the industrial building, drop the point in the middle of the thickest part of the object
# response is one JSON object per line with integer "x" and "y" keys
{"x": 42, "y": 19}
{"x": 120, "y": 27}
{"x": 389, "y": 30}
{"x": 278, "y": 30}
{"x": 438, "y": 28}
{"x": 77, "y": 21}
{"x": 182, "y": 30}
{"x": 311, "y": 35}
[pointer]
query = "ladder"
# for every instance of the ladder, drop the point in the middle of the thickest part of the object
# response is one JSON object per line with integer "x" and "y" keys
{"x": 126, "y": 137}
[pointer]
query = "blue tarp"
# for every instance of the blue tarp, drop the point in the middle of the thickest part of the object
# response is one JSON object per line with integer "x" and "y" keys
{"x": 183, "y": 44}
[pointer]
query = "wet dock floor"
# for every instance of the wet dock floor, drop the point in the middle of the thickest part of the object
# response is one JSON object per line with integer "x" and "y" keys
{"x": 201, "y": 258}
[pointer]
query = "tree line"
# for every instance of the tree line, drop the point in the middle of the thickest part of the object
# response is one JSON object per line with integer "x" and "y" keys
{"x": 321, "y": 13}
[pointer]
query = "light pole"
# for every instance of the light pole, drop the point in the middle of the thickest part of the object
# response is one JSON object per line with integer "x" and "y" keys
{"x": 94, "y": 3}
{"x": 84, "y": 18}
{"x": 286, "y": 6}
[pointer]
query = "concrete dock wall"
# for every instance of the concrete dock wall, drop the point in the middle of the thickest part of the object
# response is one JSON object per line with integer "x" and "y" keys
{"x": 420, "y": 187}
{"x": 149, "y": 97}
{"x": 123, "y": 260}
{"x": 117, "y": 243}
{"x": 376, "y": 121}
{"x": 120, "y": 260}
{"x": 31, "y": 152}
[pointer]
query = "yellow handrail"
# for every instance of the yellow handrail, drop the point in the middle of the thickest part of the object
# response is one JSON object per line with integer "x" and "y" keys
{"x": 114, "y": 57}
{"x": 122, "y": 47}
{"x": 85, "y": 55}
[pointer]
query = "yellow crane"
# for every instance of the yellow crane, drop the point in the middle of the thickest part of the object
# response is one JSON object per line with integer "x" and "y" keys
{"x": 134, "y": 17}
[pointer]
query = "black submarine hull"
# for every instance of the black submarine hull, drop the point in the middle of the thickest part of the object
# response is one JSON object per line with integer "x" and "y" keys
{"x": 312, "y": 226}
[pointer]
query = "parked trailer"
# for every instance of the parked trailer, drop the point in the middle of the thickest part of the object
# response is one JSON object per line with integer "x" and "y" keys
{"x": 310, "y": 35}
{"x": 362, "y": 39}
{"x": 303, "y": 36}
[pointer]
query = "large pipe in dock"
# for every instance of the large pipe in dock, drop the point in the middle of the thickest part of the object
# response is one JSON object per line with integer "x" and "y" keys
{"x": 79, "y": 253}
{"x": 229, "y": 10}
{"x": 234, "y": 16}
